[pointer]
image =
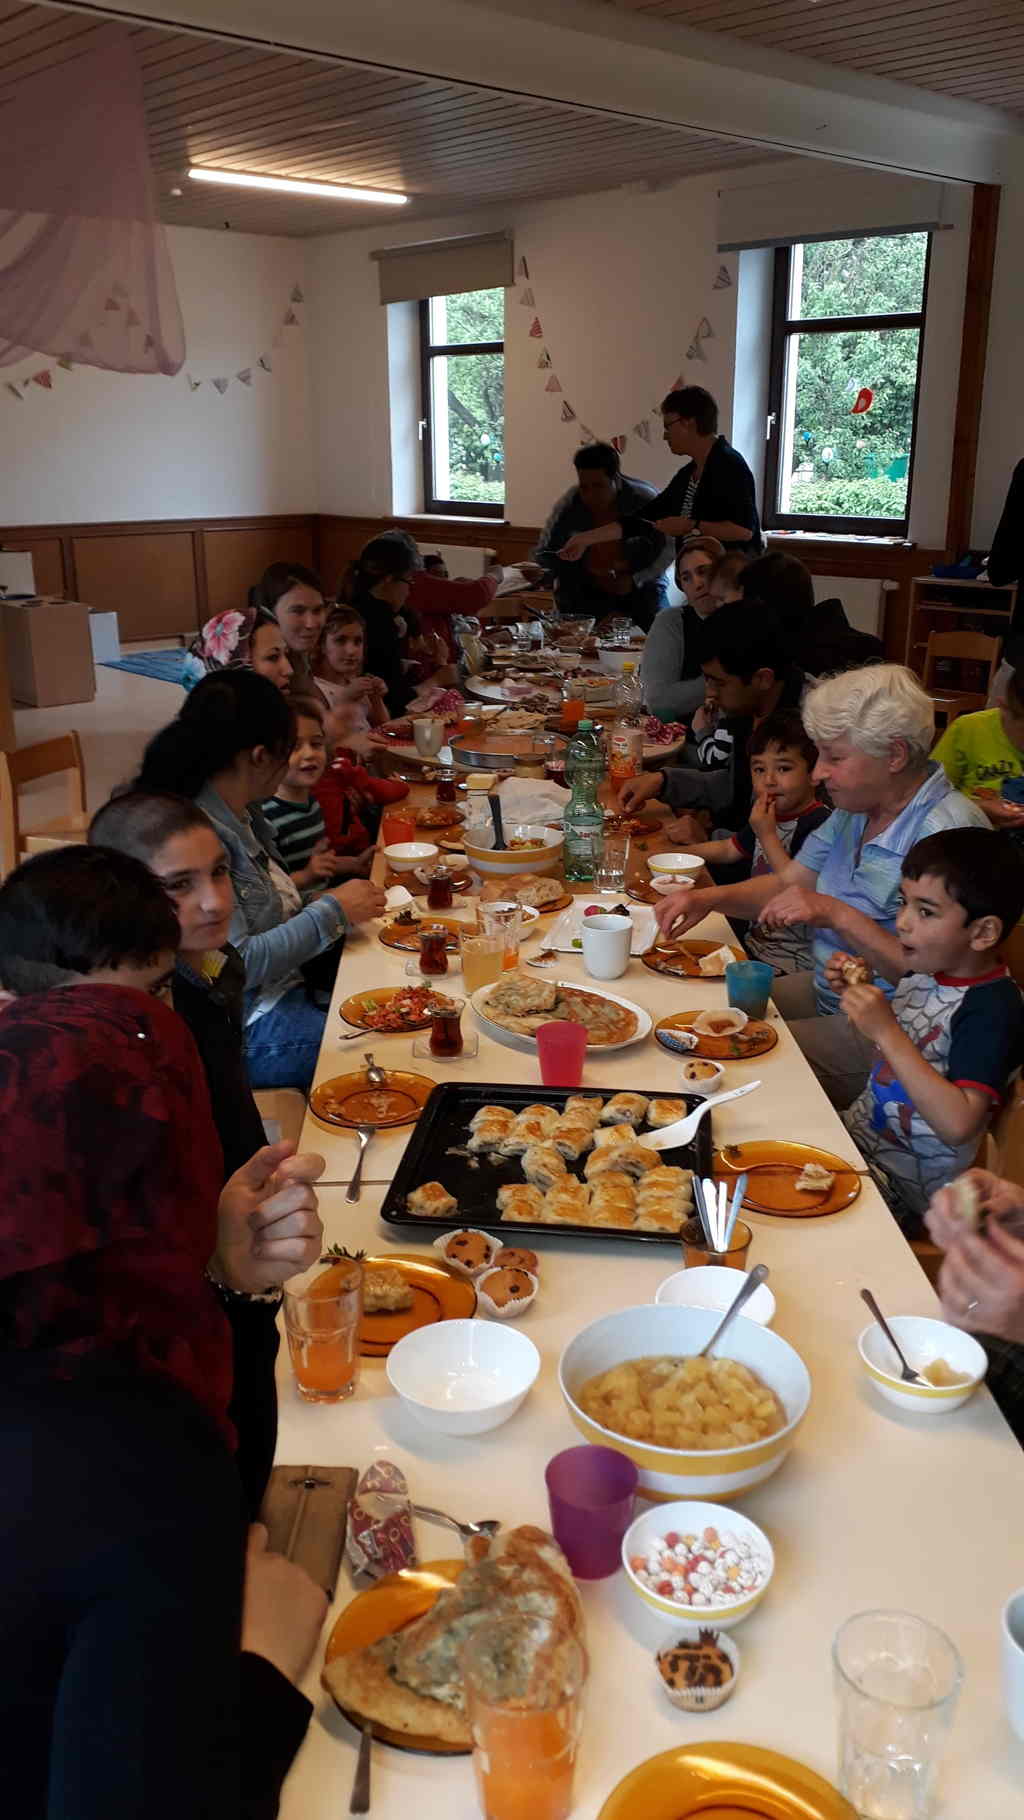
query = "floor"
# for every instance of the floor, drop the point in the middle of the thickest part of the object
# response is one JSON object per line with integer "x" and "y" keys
{"x": 113, "y": 729}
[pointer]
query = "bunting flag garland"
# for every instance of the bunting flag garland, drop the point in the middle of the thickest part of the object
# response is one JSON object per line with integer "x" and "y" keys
{"x": 220, "y": 385}
{"x": 298, "y": 296}
{"x": 568, "y": 414}
{"x": 554, "y": 384}
{"x": 643, "y": 430}
{"x": 704, "y": 330}
{"x": 677, "y": 385}
{"x": 65, "y": 363}
{"x": 523, "y": 269}
{"x": 245, "y": 375}
{"x": 587, "y": 435}
{"x": 527, "y": 298}
{"x": 290, "y": 320}
{"x": 543, "y": 359}
{"x": 194, "y": 384}
{"x": 619, "y": 443}
{"x": 133, "y": 320}
{"x": 85, "y": 339}
{"x": 536, "y": 332}
{"x": 111, "y": 304}
{"x": 695, "y": 351}
{"x": 724, "y": 280}
{"x": 15, "y": 390}
{"x": 265, "y": 363}
{"x": 45, "y": 379}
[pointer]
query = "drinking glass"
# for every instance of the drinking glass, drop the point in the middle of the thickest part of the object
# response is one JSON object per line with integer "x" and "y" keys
{"x": 572, "y": 704}
{"x": 428, "y": 732}
{"x": 396, "y": 826}
{"x": 433, "y": 950}
{"x": 445, "y": 785}
{"x": 897, "y": 1681}
{"x": 561, "y": 1047}
{"x": 446, "y": 1029}
{"x": 590, "y": 1496}
{"x": 506, "y": 921}
{"x": 748, "y": 986}
{"x": 525, "y": 1728}
{"x": 483, "y": 960}
{"x": 696, "y": 1249}
{"x": 322, "y": 1321}
{"x": 610, "y": 867}
{"x": 439, "y": 888}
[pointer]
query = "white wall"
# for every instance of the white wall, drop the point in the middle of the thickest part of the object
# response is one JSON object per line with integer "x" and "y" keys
{"x": 1002, "y": 419}
{"x": 112, "y": 446}
{"x": 621, "y": 280}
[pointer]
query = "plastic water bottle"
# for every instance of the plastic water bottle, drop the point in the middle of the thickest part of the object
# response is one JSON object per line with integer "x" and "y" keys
{"x": 584, "y": 817}
{"x": 626, "y": 736}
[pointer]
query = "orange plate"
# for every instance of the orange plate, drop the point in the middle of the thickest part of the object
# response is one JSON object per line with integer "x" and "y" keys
{"x": 380, "y": 1611}
{"x": 660, "y": 959}
{"x": 441, "y": 816}
{"x": 756, "y": 1038}
{"x": 724, "y": 1782}
{"x": 451, "y": 843}
{"x": 354, "y": 1010}
{"x": 407, "y": 937}
{"x": 773, "y": 1165}
{"x": 350, "y": 1099}
{"x": 439, "y": 1293}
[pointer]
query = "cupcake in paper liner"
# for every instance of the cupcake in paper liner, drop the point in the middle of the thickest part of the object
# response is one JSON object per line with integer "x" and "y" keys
{"x": 467, "y": 1250}
{"x": 699, "y": 1670}
{"x": 507, "y": 1292}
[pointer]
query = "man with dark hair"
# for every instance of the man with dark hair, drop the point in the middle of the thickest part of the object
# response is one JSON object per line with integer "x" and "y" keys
{"x": 713, "y": 495}
{"x": 748, "y": 674}
{"x": 622, "y": 574}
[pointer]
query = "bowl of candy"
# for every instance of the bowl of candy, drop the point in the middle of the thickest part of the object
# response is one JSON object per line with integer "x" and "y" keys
{"x": 697, "y": 1561}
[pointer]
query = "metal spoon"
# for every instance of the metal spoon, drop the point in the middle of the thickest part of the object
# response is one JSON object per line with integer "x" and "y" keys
{"x": 360, "y": 1799}
{"x": 467, "y": 1531}
{"x": 363, "y": 1135}
{"x": 907, "y": 1373}
{"x": 756, "y": 1277}
{"x": 376, "y": 1076}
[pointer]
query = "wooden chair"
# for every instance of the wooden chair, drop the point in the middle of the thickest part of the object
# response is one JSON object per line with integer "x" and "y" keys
{"x": 961, "y": 648}
{"x": 48, "y": 759}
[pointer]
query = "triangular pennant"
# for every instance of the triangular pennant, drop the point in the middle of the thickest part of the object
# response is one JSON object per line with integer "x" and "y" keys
{"x": 111, "y": 304}
{"x": 133, "y": 320}
{"x": 568, "y": 414}
{"x": 619, "y": 443}
{"x": 148, "y": 345}
{"x": 528, "y": 298}
{"x": 194, "y": 384}
{"x": 245, "y": 375}
{"x": 264, "y": 362}
{"x": 724, "y": 280}
{"x": 297, "y": 294}
{"x": 695, "y": 351}
{"x": 45, "y": 379}
{"x": 536, "y": 332}
{"x": 290, "y": 320}
{"x": 678, "y": 382}
{"x": 704, "y": 330}
{"x": 543, "y": 359}
{"x": 554, "y": 384}
{"x": 643, "y": 430}
{"x": 587, "y": 435}
{"x": 523, "y": 269}
{"x": 65, "y": 363}
{"x": 119, "y": 289}
{"x": 15, "y": 390}
{"x": 85, "y": 339}
{"x": 221, "y": 385}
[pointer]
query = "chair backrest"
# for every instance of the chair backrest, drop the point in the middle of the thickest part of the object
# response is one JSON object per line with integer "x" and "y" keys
{"x": 27, "y": 765}
{"x": 1006, "y": 1152}
{"x": 962, "y": 647}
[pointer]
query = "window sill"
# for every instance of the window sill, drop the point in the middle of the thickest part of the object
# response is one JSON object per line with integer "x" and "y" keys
{"x": 842, "y": 537}
{"x": 452, "y": 518}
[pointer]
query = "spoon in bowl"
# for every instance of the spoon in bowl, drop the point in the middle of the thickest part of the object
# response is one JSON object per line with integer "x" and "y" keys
{"x": 907, "y": 1372}
{"x": 754, "y": 1280}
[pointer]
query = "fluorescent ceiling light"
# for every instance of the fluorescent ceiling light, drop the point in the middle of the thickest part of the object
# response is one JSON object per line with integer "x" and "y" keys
{"x": 294, "y": 186}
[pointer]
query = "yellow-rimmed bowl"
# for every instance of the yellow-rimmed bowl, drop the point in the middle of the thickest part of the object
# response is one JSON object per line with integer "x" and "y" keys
{"x": 660, "y": 1331}
{"x": 544, "y": 853}
{"x": 676, "y": 866}
{"x": 687, "y": 1518}
{"x": 923, "y": 1341}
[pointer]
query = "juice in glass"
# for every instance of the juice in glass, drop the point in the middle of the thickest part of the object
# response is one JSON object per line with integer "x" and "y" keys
{"x": 397, "y": 827}
{"x": 483, "y": 960}
{"x": 322, "y": 1324}
{"x": 506, "y": 921}
{"x": 525, "y": 1732}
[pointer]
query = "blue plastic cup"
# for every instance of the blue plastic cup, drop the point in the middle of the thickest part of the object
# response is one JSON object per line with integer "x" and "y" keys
{"x": 748, "y": 986}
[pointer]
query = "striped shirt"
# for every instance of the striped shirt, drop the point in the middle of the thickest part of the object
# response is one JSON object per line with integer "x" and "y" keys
{"x": 297, "y": 828}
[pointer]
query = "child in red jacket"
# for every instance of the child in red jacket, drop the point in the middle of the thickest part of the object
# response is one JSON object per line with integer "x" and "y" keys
{"x": 351, "y": 798}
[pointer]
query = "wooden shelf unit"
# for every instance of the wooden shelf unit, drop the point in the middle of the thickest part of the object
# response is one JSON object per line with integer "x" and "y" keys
{"x": 938, "y": 605}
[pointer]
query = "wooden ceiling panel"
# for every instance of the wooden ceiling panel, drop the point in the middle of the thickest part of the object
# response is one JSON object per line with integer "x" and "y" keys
{"x": 448, "y": 145}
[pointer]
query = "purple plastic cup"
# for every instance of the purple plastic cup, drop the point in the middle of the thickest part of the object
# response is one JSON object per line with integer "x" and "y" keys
{"x": 590, "y": 1495}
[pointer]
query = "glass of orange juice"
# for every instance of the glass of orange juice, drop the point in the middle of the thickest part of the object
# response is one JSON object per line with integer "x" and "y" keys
{"x": 322, "y": 1321}
{"x": 525, "y": 1720}
{"x": 505, "y": 920}
{"x": 483, "y": 958}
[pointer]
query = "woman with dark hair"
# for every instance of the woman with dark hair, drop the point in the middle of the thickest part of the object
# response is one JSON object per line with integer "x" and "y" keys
{"x": 142, "y": 1681}
{"x": 234, "y": 640}
{"x": 227, "y": 750}
{"x": 294, "y": 596}
{"x": 377, "y": 585}
{"x": 819, "y": 630}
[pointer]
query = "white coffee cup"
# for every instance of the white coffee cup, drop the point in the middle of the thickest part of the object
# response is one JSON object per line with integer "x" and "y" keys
{"x": 606, "y": 942}
{"x": 1013, "y": 1661}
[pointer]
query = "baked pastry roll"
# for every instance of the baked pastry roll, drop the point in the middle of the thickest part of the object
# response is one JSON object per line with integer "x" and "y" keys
{"x": 525, "y": 1131}
{"x": 518, "y": 1202}
{"x": 572, "y": 1140}
{"x": 489, "y": 1112}
{"x": 611, "y": 1137}
{"x": 491, "y": 1132}
{"x": 543, "y": 1165}
{"x": 566, "y": 1204}
{"x": 582, "y": 1109}
{"x": 658, "y": 1216}
{"x": 625, "y": 1109}
{"x": 431, "y": 1200}
{"x": 665, "y": 1112}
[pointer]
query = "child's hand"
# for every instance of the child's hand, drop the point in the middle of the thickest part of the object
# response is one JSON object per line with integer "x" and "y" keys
{"x": 833, "y": 970}
{"x": 869, "y": 1011}
{"x": 1001, "y": 813}
{"x": 323, "y": 862}
{"x": 762, "y": 815}
{"x": 702, "y": 722}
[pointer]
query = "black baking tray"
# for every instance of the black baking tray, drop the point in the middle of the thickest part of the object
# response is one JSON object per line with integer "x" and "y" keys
{"x": 444, "y": 1122}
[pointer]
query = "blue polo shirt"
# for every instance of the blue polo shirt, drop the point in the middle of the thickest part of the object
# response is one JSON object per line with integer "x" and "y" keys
{"x": 869, "y": 879}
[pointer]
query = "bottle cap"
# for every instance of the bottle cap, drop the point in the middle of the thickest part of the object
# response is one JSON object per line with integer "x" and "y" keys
{"x": 628, "y": 669}
{"x": 583, "y": 726}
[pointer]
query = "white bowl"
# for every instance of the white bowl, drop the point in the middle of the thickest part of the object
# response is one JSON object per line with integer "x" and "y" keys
{"x": 673, "y": 881}
{"x": 674, "y": 865}
{"x": 479, "y": 846}
{"x": 688, "y": 1518}
{"x": 614, "y": 660}
{"x": 652, "y": 1331}
{"x": 709, "y": 1084}
{"x": 408, "y": 854}
{"x": 923, "y": 1341}
{"x": 463, "y": 1377}
{"x": 716, "y": 1287}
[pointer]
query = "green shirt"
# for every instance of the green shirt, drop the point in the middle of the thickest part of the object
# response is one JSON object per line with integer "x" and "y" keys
{"x": 975, "y": 753}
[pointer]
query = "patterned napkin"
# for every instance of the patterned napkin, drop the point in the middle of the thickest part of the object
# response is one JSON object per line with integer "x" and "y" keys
{"x": 380, "y": 1536}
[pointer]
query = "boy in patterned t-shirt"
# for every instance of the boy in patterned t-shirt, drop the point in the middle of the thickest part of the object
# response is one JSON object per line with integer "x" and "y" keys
{"x": 953, "y": 1032}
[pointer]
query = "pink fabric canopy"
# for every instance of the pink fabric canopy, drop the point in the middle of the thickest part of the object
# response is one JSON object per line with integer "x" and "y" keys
{"x": 85, "y": 273}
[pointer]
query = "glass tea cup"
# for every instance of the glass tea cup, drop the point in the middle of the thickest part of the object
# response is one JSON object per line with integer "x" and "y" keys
{"x": 433, "y": 950}
{"x": 446, "y": 1039}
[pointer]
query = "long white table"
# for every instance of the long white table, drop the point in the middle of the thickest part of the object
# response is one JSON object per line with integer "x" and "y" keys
{"x": 872, "y": 1508}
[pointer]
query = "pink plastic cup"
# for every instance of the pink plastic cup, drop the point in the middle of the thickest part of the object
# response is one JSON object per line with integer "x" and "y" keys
{"x": 561, "y": 1047}
{"x": 590, "y": 1494}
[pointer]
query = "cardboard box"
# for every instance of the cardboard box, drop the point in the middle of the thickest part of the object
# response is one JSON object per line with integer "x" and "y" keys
{"x": 49, "y": 652}
{"x": 106, "y": 637}
{"x": 17, "y": 576}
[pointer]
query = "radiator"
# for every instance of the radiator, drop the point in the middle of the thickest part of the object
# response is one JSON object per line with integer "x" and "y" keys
{"x": 862, "y": 596}
{"x": 466, "y": 561}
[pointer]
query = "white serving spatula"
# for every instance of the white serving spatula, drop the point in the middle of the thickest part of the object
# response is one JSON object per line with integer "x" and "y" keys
{"x": 671, "y": 1136}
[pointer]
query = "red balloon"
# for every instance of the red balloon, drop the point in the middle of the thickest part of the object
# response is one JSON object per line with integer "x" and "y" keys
{"x": 864, "y": 400}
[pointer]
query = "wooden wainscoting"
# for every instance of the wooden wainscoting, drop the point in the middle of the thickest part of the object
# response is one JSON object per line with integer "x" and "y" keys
{"x": 341, "y": 538}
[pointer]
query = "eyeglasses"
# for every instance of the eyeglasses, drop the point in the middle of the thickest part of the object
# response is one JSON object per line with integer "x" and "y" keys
{"x": 667, "y": 422}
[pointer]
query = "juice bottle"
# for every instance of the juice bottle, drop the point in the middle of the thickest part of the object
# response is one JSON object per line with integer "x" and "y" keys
{"x": 626, "y": 737}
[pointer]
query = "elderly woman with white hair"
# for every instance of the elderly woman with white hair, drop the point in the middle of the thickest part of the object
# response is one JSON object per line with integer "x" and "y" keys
{"x": 874, "y": 729}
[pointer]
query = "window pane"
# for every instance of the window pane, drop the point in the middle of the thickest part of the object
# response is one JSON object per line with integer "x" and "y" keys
{"x": 467, "y": 316}
{"x": 865, "y": 277}
{"x": 835, "y": 462}
{"x": 468, "y": 426}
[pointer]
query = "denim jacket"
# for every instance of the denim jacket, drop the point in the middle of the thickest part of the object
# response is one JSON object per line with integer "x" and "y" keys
{"x": 273, "y": 949}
